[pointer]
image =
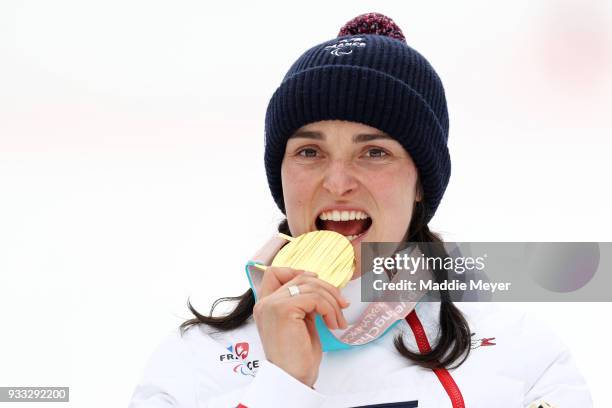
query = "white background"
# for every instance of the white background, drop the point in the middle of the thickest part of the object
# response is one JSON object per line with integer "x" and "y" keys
{"x": 131, "y": 161}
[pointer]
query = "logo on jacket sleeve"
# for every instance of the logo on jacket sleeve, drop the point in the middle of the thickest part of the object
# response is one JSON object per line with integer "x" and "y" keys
{"x": 483, "y": 342}
{"x": 237, "y": 357}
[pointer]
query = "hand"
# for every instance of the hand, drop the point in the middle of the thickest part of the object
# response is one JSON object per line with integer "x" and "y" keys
{"x": 286, "y": 324}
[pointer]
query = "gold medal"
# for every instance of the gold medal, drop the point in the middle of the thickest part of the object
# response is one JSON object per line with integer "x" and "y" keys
{"x": 327, "y": 253}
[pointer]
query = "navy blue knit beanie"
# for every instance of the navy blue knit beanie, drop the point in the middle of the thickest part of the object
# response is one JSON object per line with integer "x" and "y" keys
{"x": 368, "y": 74}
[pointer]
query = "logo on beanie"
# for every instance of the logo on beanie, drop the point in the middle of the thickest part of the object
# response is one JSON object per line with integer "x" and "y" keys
{"x": 344, "y": 47}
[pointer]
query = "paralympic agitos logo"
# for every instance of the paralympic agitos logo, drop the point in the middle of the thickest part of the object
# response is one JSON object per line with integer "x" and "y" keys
{"x": 346, "y": 46}
{"x": 237, "y": 356}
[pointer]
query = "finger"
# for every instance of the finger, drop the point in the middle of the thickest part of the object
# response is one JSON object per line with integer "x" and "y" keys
{"x": 313, "y": 286}
{"x": 274, "y": 277}
{"x": 328, "y": 288}
{"x": 334, "y": 291}
{"x": 315, "y": 303}
{"x": 313, "y": 334}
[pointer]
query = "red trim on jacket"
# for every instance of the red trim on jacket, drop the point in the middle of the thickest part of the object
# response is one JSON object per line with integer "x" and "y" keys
{"x": 442, "y": 373}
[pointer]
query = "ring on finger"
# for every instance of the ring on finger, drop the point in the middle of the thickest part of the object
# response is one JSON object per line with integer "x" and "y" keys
{"x": 294, "y": 290}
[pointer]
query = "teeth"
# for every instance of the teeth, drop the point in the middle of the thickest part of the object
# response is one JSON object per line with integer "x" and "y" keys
{"x": 351, "y": 237}
{"x": 336, "y": 215}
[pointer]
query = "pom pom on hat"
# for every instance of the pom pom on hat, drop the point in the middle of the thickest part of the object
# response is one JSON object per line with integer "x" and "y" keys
{"x": 372, "y": 23}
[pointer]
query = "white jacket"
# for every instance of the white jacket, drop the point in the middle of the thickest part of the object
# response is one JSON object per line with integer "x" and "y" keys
{"x": 514, "y": 362}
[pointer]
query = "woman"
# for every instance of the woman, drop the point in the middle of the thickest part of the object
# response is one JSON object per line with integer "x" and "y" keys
{"x": 356, "y": 139}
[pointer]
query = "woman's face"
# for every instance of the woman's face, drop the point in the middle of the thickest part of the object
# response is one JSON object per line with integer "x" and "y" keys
{"x": 349, "y": 178}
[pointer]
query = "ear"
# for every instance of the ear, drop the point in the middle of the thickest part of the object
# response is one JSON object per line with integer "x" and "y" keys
{"x": 419, "y": 192}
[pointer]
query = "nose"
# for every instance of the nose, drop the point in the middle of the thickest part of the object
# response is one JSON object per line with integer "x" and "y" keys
{"x": 339, "y": 179}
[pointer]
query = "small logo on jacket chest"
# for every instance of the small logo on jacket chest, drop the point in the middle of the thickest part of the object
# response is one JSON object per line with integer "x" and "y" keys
{"x": 238, "y": 358}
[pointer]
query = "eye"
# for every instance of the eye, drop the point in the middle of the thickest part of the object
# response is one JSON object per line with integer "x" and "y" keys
{"x": 376, "y": 153}
{"x": 307, "y": 152}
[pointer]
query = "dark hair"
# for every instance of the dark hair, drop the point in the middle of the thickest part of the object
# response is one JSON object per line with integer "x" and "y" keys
{"x": 452, "y": 345}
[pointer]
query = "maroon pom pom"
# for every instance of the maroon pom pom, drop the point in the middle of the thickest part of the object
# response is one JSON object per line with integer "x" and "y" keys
{"x": 372, "y": 23}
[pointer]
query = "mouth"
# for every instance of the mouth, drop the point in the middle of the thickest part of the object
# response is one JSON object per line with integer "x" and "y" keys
{"x": 353, "y": 224}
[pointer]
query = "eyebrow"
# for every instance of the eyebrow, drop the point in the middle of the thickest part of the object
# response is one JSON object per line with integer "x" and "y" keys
{"x": 359, "y": 138}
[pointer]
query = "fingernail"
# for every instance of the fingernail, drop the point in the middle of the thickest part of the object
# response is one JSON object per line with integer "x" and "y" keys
{"x": 310, "y": 273}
